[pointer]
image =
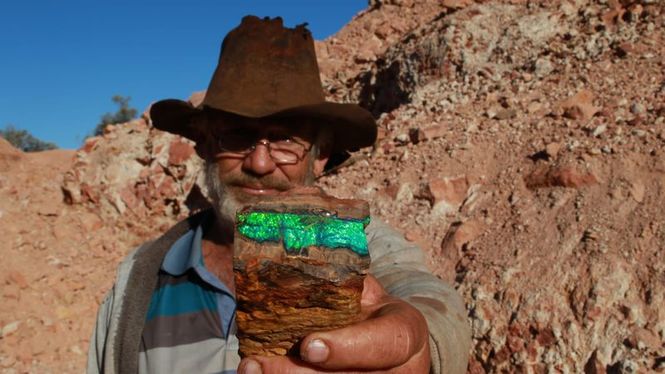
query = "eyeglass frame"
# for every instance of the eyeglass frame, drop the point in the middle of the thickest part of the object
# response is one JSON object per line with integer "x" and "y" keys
{"x": 222, "y": 152}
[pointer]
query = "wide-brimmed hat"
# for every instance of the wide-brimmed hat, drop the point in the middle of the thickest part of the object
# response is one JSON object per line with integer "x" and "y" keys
{"x": 268, "y": 70}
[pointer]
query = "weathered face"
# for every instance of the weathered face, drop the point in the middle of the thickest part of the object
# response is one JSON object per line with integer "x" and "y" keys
{"x": 247, "y": 159}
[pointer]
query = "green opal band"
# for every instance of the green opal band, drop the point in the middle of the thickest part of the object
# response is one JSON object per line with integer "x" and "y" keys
{"x": 299, "y": 231}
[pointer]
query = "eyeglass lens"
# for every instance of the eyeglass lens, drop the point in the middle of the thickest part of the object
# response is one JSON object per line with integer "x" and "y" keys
{"x": 282, "y": 147}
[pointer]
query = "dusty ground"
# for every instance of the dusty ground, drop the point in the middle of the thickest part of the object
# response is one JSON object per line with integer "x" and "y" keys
{"x": 54, "y": 265}
{"x": 521, "y": 146}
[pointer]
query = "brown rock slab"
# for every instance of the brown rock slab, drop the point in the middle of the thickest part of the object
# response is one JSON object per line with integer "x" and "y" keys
{"x": 580, "y": 106}
{"x": 450, "y": 190}
{"x": 457, "y": 4}
{"x": 566, "y": 176}
{"x": 128, "y": 197}
{"x": 282, "y": 295}
{"x": 459, "y": 234}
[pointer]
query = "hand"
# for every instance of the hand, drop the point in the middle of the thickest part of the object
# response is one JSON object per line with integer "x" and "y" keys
{"x": 393, "y": 338}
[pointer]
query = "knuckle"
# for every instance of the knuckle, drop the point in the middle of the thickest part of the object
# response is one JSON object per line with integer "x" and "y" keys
{"x": 413, "y": 329}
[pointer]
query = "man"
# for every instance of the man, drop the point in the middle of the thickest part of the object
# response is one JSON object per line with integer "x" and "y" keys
{"x": 264, "y": 128}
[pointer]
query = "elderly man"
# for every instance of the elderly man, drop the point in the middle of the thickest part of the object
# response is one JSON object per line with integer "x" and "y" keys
{"x": 264, "y": 128}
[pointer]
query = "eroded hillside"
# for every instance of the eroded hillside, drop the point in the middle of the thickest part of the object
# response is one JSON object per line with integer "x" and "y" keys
{"x": 521, "y": 144}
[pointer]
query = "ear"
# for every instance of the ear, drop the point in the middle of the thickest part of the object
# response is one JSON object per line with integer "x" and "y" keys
{"x": 321, "y": 161}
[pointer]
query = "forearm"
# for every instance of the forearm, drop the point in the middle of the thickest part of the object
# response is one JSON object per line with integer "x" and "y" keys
{"x": 442, "y": 307}
{"x": 400, "y": 267}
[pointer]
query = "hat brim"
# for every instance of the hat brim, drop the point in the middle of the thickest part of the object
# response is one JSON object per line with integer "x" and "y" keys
{"x": 353, "y": 127}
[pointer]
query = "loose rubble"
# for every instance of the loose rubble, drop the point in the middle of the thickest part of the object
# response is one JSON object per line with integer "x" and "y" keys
{"x": 521, "y": 145}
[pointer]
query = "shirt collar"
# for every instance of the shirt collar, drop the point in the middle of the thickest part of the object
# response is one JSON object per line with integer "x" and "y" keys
{"x": 185, "y": 253}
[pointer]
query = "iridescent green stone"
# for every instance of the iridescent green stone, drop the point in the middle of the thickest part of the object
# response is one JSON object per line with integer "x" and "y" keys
{"x": 299, "y": 231}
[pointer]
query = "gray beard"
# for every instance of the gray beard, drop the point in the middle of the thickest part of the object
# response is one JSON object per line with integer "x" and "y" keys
{"x": 224, "y": 204}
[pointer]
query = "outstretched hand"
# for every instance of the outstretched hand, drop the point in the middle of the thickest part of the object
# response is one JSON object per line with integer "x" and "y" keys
{"x": 392, "y": 338}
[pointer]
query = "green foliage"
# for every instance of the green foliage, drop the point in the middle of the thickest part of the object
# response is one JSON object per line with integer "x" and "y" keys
{"x": 25, "y": 141}
{"x": 124, "y": 114}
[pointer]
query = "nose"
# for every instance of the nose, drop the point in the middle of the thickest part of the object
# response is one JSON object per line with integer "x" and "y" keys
{"x": 258, "y": 161}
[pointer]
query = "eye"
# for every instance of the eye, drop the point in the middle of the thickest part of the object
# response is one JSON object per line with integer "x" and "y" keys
{"x": 236, "y": 139}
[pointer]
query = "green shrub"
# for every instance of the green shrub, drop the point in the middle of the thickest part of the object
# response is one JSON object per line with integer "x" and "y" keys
{"x": 124, "y": 114}
{"x": 25, "y": 141}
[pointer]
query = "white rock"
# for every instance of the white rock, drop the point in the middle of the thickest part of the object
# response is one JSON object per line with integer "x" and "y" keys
{"x": 599, "y": 130}
{"x": 9, "y": 328}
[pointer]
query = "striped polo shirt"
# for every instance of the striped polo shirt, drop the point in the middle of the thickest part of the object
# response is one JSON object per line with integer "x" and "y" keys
{"x": 190, "y": 326}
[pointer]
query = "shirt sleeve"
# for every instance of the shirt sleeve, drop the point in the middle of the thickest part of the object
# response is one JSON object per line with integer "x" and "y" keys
{"x": 400, "y": 267}
{"x": 99, "y": 335}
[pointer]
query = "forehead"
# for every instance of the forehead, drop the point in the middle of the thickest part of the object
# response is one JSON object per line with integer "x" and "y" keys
{"x": 299, "y": 126}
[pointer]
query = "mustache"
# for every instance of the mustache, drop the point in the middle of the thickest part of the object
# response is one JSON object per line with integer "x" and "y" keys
{"x": 267, "y": 181}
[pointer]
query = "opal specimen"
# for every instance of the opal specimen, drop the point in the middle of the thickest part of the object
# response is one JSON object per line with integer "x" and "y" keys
{"x": 298, "y": 231}
{"x": 299, "y": 263}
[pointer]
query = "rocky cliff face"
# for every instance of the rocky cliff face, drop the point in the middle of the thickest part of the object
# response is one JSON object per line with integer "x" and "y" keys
{"x": 136, "y": 174}
{"x": 521, "y": 145}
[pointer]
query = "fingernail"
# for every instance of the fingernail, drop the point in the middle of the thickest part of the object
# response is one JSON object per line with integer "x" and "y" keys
{"x": 317, "y": 351}
{"x": 249, "y": 367}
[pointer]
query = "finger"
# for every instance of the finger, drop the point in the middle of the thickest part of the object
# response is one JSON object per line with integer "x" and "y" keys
{"x": 389, "y": 339}
{"x": 373, "y": 292}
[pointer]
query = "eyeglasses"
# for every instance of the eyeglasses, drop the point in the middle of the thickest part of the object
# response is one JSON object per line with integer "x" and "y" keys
{"x": 282, "y": 149}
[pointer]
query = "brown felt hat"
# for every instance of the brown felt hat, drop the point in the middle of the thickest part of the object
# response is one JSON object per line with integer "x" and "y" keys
{"x": 267, "y": 70}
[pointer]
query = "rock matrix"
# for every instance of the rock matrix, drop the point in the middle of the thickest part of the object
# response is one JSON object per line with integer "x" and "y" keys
{"x": 299, "y": 265}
